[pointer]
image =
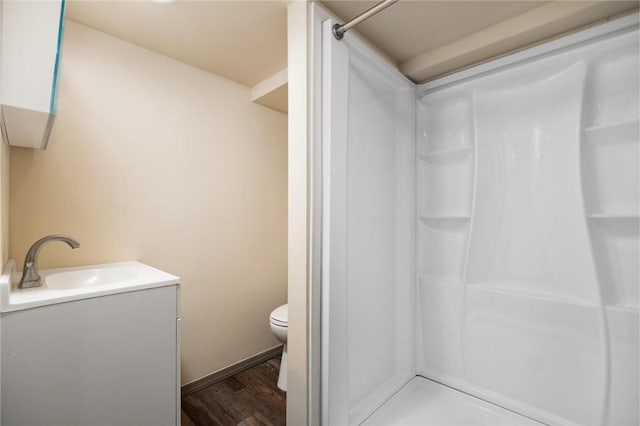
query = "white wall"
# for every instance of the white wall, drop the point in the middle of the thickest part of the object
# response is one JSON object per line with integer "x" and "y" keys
{"x": 155, "y": 160}
{"x": 528, "y": 197}
{"x": 368, "y": 247}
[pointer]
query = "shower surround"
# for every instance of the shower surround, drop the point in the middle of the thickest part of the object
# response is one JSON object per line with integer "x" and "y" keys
{"x": 481, "y": 231}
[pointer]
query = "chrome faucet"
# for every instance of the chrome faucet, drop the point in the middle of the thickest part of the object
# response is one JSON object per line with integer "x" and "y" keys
{"x": 30, "y": 275}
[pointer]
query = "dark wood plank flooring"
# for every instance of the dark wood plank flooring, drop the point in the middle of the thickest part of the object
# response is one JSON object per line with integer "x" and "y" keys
{"x": 249, "y": 398}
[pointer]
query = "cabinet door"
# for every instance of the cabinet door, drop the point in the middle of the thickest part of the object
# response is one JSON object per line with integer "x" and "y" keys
{"x": 31, "y": 34}
{"x": 103, "y": 361}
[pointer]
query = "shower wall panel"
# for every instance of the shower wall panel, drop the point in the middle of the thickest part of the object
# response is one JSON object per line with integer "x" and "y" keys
{"x": 368, "y": 230}
{"x": 527, "y": 250}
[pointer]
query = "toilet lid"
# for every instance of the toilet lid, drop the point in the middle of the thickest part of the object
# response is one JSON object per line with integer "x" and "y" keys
{"x": 280, "y": 316}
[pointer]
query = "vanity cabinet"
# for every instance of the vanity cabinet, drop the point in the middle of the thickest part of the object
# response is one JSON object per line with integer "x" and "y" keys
{"x": 109, "y": 360}
{"x": 31, "y": 36}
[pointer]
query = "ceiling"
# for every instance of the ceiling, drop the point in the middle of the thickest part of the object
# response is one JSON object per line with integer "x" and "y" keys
{"x": 426, "y": 39}
{"x": 246, "y": 41}
{"x": 410, "y": 28}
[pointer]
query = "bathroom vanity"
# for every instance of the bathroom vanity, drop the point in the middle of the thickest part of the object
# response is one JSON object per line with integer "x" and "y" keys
{"x": 95, "y": 345}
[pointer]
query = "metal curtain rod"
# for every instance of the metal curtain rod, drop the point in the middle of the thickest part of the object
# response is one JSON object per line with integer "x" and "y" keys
{"x": 339, "y": 30}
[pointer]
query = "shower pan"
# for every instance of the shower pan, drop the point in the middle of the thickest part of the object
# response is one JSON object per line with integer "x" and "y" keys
{"x": 480, "y": 237}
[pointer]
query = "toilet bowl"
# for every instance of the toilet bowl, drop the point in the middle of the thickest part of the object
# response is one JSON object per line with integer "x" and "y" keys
{"x": 279, "y": 322}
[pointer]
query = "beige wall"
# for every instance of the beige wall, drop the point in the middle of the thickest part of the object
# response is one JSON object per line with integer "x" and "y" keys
{"x": 297, "y": 339}
{"x": 4, "y": 204}
{"x": 155, "y": 160}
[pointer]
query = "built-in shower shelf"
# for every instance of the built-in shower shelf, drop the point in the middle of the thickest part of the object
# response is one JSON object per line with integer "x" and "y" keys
{"x": 512, "y": 288}
{"x": 444, "y": 153}
{"x": 625, "y": 309}
{"x": 615, "y": 216}
{"x": 610, "y": 170}
{"x": 624, "y": 131}
{"x": 431, "y": 217}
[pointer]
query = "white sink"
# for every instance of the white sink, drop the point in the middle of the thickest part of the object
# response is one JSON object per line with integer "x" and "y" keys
{"x": 89, "y": 277}
{"x": 69, "y": 284}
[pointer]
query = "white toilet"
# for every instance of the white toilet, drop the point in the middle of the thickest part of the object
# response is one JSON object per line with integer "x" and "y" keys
{"x": 279, "y": 322}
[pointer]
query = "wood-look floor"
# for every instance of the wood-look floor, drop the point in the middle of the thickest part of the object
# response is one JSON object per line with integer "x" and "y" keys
{"x": 249, "y": 398}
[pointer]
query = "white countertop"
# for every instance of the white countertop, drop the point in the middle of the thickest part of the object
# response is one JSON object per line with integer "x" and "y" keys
{"x": 139, "y": 277}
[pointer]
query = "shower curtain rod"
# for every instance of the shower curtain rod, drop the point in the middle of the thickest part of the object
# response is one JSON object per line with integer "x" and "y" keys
{"x": 339, "y": 30}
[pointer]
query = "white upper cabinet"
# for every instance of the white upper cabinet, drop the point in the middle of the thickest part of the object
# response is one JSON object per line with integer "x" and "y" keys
{"x": 31, "y": 38}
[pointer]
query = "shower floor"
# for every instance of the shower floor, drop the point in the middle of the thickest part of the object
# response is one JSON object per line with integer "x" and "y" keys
{"x": 423, "y": 402}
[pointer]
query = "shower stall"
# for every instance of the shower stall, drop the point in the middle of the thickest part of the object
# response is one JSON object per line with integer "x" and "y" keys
{"x": 480, "y": 237}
